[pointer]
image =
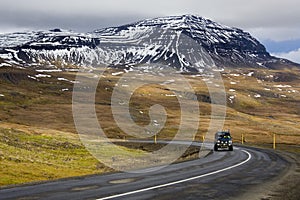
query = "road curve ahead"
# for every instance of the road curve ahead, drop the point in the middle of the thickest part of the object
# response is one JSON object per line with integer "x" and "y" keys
{"x": 221, "y": 175}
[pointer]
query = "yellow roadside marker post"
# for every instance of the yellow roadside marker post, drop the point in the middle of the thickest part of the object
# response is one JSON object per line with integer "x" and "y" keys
{"x": 242, "y": 138}
{"x": 274, "y": 141}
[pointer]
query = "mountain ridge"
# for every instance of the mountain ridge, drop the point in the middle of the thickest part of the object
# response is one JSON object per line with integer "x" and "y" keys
{"x": 145, "y": 41}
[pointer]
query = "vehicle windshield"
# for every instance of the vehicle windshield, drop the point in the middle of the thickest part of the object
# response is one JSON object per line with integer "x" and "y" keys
{"x": 223, "y": 135}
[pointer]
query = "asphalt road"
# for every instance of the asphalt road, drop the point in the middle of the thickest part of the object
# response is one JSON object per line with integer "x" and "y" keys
{"x": 220, "y": 175}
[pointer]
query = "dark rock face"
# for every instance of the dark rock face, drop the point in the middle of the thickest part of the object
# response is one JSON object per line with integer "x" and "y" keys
{"x": 173, "y": 41}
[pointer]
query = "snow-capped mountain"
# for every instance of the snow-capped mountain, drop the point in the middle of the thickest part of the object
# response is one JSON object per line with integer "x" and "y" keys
{"x": 187, "y": 43}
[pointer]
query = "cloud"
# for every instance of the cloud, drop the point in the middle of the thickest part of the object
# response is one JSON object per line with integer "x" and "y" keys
{"x": 276, "y": 34}
{"x": 292, "y": 55}
{"x": 80, "y": 22}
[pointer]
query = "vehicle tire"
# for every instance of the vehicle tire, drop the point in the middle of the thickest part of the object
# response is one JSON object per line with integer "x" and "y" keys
{"x": 231, "y": 148}
{"x": 215, "y": 148}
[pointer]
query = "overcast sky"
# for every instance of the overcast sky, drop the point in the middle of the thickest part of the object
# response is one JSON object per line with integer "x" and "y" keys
{"x": 275, "y": 23}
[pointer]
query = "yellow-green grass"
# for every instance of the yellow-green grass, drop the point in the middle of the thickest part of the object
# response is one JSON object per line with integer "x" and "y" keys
{"x": 27, "y": 157}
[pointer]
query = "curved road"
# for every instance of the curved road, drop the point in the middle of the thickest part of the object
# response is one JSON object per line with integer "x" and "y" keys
{"x": 221, "y": 175}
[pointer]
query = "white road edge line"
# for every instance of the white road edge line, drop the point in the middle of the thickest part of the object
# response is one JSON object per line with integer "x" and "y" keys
{"x": 180, "y": 181}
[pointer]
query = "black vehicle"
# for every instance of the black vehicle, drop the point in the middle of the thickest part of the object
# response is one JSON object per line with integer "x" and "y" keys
{"x": 223, "y": 140}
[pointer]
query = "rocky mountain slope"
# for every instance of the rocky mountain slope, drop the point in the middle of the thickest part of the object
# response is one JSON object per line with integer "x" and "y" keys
{"x": 175, "y": 41}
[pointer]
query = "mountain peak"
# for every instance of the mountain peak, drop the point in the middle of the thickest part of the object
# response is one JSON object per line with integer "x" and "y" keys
{"x": 180, "y": 22}
{"x": 227, "y": 45}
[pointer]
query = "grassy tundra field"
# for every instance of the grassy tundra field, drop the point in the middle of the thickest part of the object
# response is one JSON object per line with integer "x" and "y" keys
{"x": 39, "y": 141}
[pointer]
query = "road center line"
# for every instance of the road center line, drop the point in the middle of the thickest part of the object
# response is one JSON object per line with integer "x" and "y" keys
{"x": 180, "y": 181}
